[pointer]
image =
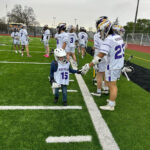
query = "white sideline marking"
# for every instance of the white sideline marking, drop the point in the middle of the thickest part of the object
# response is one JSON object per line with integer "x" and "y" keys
{"x": 71, "y": 80}
{"x": 68, "y": 139}
{"x": 69, "y": 90}
{"x": 104, "y": 135}
{"x": 36, "y": 63}
{"x": 39, "y": 107}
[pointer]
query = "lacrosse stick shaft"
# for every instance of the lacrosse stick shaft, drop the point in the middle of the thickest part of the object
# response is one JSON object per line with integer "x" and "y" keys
{"x": 126, "y": 76}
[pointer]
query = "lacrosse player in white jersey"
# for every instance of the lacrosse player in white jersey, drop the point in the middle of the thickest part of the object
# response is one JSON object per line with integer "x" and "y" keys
{"x": 100, "y": 67}
{"x": 83, "y": 40}
{"x": 24, "y": 40}
{"x": 62, "y": 37}
{"x": 59, "y": 74}
{"x": 46, "y": 38}
{"x": 71, "y": 45}
{"x": 113, "y": 48}
{"x": 16, "y": 40}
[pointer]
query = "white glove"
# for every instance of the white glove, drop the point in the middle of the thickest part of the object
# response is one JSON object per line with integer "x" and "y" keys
{"x": 55, "y": 85}
{"x": 127, "y": 69}
{"x": 85, "y": 69}
{"x": 95, "y": 67}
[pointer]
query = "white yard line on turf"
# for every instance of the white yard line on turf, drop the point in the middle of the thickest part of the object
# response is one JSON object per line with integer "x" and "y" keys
{"x": 36, "y": 63}
{"x": 69, "y": 90}
{"x": 16, "y": 54}
{"x": 68, "y": 139}
{"x": 39, "y": 107}
{"x": 104, "y": 134}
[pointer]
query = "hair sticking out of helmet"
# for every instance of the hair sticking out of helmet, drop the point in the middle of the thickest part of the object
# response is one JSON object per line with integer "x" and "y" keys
{"x": 60, "y": 55}
{"x": 61, "y": 27}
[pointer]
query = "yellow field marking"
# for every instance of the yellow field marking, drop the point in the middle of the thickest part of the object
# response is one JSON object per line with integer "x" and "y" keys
{"x": 139, "y": 58}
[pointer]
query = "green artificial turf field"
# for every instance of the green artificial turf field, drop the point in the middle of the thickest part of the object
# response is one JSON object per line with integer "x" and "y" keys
{"x": 28, "y": 85}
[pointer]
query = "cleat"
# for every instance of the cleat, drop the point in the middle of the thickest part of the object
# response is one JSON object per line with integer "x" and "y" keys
{"x": 16, "y": 51}
{"x": 105, "y": 92}
{"x": 96, "y": 94}
{"x": 21, "y": 54}
{"x": 107, "y": 107}
{"x": 29, "y": 56}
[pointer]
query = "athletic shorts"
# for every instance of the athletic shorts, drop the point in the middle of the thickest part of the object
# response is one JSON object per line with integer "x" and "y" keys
{"x": 24, "y": 42}
{"x": 46, "y": 43}
{"x": 16, "y": 42}
{"x": 82, "y": 45}
{"x": 112, "y": 75}
{"x": 101, "y": 66}
{"x": 70, "y": 50}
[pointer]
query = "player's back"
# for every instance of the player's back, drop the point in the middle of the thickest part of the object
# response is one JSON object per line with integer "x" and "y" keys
{"x": 83, "y": 37}
{"x": 61, "y": 38}
{"x": 23, "y": 34}
{"x": 72, "y": 37}
{"x": 114, "y": 46}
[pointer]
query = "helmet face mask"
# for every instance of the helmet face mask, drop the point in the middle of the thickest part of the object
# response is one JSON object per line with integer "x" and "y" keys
{"x": 104, "y": 27}
{"x": 60, "y": 55}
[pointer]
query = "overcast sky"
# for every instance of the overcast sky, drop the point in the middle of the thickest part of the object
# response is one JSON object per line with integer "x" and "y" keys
{"x": 85, "y": 11}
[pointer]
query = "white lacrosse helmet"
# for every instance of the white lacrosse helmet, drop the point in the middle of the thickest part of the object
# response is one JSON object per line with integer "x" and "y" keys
{"x": 70, "y": 27}
{"x": 104, "y": 26}
{"x": 118, "y": 29}
{"x": 59, "y": 52}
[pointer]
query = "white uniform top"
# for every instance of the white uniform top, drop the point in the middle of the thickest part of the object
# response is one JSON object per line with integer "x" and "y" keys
{"x": 72, "y": 37}
{"x": 46, "y": 35}
{"x": 15, "y": 35}
{"x": 113, "y": 47}
{"x": 61, "y": 76}
{"x": 62, "y": 38}
{"x": 97, "y": 44}
{"x": 23, "y": 35}
{"x": 56, "y": 35}
{"x": 83, "y": 38}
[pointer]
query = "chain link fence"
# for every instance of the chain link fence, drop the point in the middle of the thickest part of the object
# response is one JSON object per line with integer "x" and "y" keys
{"x": 138, "y": 38}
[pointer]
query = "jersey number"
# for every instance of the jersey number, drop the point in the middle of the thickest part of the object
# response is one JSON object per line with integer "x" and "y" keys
{"x": 64, "y": 75}
{"x": 71, "y": 40}
{"x": 82, "y": 37}
{"x": 119, "y": 50}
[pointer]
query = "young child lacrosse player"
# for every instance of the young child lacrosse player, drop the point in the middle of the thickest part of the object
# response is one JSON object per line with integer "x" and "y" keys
{"x": 59, "y": 74}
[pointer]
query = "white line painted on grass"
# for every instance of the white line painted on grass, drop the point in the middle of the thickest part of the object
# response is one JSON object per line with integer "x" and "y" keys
{"x": 104, "y": 135}
{"x": 69, "y": 90}
{"x": 39, "y": 107}
{"x": 71, "y": 80}
{"x": 34, "y": 63}
{"x": 68, "y": 139}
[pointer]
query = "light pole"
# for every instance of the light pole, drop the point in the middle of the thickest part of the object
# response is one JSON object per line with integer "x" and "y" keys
{"x": 136, "y": 16}
{"x": 54, "y": 18}
{"x": 75, "y": 21}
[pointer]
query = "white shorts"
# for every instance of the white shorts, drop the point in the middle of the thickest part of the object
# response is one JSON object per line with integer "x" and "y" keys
{"x": 16, "y": 42}
{"x": 24, "y": 42}
{"x": 70, "y": 50}
{"x": 102, "y": 66}
{"x": 46, "y": 43}
{"x": 112, "y": 75}
{"x": 82, "y": 45}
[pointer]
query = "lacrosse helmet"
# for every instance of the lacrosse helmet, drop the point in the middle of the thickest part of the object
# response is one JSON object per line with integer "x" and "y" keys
{"x": 45, "y": 27}
{"x": 70, "y": 28}
{"x": 59, "y": 53}
{"x": 61, "y": 27}
{"x": 103, "y": 25}
{"x": 82, "y": 29}
{"x": 118, "y": 29}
